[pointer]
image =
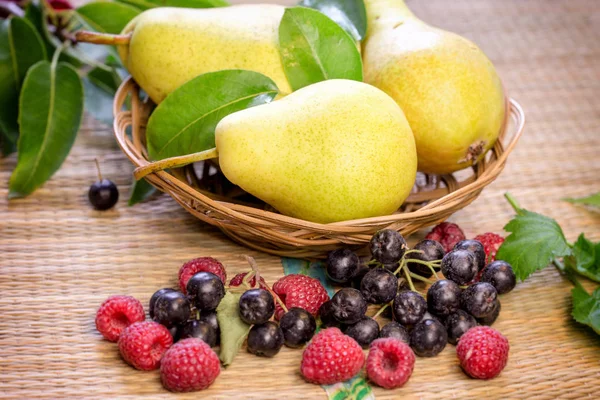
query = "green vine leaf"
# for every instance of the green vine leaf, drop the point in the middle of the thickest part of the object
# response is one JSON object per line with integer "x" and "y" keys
{"x": 351, "y": 15}
{"x": 20, "y": 47}
{"x": 233, "y": 330}
{"x": 586, "y": 307}
{"x": 592, "y": 200}
{"x": 51, "y": 108}
{"x": 586, "y": 258}
{"x": 185, "y": 121}
{"x": 314, "y": 48}
{"x": 140, "y": 191}
{"x": 107, "y": 17}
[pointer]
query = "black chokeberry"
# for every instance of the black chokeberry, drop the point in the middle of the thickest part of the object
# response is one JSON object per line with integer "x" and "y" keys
{"x": 379, "y": 286}
{"x": 493, "y": 316}
{"x": 206, "y": 290}
{"x": 457, "y": 324}
{"x": 364, "y": 331}
{"x": 349, "y": 306}
{"x": 500, "y": 275}
{"x": 298, "y": 327}
{"x": 256, "y": 306}
{"x": 103, "y": 194}
{"x": 210, "y": 317}
{"x": 357, "y": 278}
{"x": 428, "y": 338}
{"x": 394, "y": 330}
{"x": 342, "y": 265}
{"x": 459, "y": 266}
{"x": 200, "y": 330}
{"x": 265, "y": 339}
{"x": 326, "y": 316}
{"x": 475, "y": 247}
{"x": 387, "y": 246}
{"x": 443, "y": 297}
{"x": 409, "y": 307}
{"x": 171, "y": 308}
{"x": 479, "y": 299}
{"x": 430, "y": 250}
{"x": 155, "y": 296}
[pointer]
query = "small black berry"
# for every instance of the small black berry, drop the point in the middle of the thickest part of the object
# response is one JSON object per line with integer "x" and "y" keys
{"x": 475, "y": 247}
{"x": 379, "y": 286}
{"x": 431, "y": 250}
{"x": 171, "y": 308}
{"x": 349, "y": 306}
{"x": 342, "y": 265}
{"x": 364, "y": 331}
{"x": 493, "y": 316}
{"x": 394, "y": 330}
{"x": 357, "y": 278}
{"x": 387, "y": 246}
{"x": 265, "y": 339}
{"x": 298, "y": 327}
{"x": 457, "y": 324}
{"x": 479, "y": 299}
{"x": 206, "y": 290}
{"x": 500, "y": 275}
{"x": 200, "y": 330}
{"x": 459, "y": 266}
{"x": 428, "y": 338}
{"x": 326, "y": 316}
{"x": 256, "y": 306}
{"x": 409, "y": 307}
{"x": 210, "y": 317}
{"x": 155, "y": 296}
{"x": 103, "y": 194}
{"x": 443, "y": 297}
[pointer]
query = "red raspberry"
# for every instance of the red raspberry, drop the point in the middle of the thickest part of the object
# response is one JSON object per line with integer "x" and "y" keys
{"x": 116, "y": 314}
{"x": 331, "y": 357}
{"x": 189, "y": 365}
{"x": 448, "y": 234}
{"x": 302, "y": 291}
{"x": 390, "y": 363}
{"x": 483, "y": 352}
{"x": 237, "y": 281}
{"x": 202, "y": 264}
{"x": 143, "y": 344}
{"x": 491, "y": 243}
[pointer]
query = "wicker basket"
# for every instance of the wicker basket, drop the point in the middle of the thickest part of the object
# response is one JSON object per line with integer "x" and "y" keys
{"x": 211, "y": 198}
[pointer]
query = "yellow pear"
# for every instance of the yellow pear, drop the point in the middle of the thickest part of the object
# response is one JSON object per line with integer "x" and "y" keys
{"x": 170, "y": 46}
{"x": 332, "y": 151}
{"x": 446, "y": 86}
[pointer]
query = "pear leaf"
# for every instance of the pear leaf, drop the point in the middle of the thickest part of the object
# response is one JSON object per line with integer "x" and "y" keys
{"x": 233, "y": 330}
{"x": 107, "y": 17}
{"x": 20, "y": 47}
{"x": 185, "y": 121}
{"x": 51, "y": 108}
{"x": 147, "y": 4}
{"x": 351, "y": 15}
{"x": 140, "y": 191}
{"x": 313, "y": 48}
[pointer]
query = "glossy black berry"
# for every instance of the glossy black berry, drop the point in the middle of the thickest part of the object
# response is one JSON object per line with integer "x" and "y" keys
{"x": 155, "y": 296}
{"x": 256, "y": 306}
{"x": 171, "y": 308}
{"x": 379, "y": 286}
{"x": 479, "y": 299}
{"x": 206, "y": 290}
{"x": 357, "y": 278}
{"x": 298, "y": 327}
{"x": 457, "y": 324}
{"x": 349, "y": 306}
{"x": 443, "y": 297}
{"x": 500, "y": 275}
{"x": 103, "y": 194}
{"x": 326, "y": 316}
{"x": 265, "y": 339}
{"x": 387, "y": 246}
{"x": 409, "y": 307}
{"x": 174, "y": 331}
{"x": 396, "y": 331}
{"x": 364, "y": 331}
{"x": 200, "y": 330}
{"x": 493, "y": 316}
{"x": 475, "y": 247}
{"x": 342, "y": 265}
{"x": 428, "y": 338}
{"x": 431, "y": 250}
{"x": 459, "y": 266}
{"x": 210, "y": 317}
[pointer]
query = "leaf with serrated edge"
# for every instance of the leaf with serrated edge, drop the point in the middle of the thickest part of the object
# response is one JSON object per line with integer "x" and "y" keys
{"x": 313, "y": 48}
{"x": 592, "y": 200}
{"x": 586, "y": 308}
{"x": 586, "y": 258}
{"x": 233, "y": 330}
{"x": 351, "y": 15}
{"x": 185, "y": 121}
{"x": 534, "y": 242}
{"x": 51, "y": 107}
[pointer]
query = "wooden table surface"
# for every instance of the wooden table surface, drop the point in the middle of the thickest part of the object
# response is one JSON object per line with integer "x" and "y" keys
{"x": 59, "y": 259}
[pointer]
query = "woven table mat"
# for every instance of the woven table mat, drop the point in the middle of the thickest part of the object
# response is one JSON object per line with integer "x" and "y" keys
{"x": 59, "y": 259}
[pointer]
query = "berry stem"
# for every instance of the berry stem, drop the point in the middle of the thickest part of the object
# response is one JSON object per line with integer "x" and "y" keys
{"x": 254, "y": 267}
{"x": 407, "y": 276}
{"x": 420, "y": 278}
{"x": 98, "y": 169}
{"x": 381, "y": 310}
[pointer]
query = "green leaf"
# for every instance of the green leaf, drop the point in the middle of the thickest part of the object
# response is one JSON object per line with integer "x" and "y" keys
{"x": 233, "y": 329}
{"x": 51, "y": 107}
{"x": 107, "y": 17}
{"x": 185, "y": 121}
{"x": 585, "y": 259}
{"x": 314, "y": 48}
{"x": 592, "y": 200}
{"x": 534, "y": 242}
{"x": 586, "y": 308}
{"x": 351, "y": 15}
{"x": 141, "y": 190}
{"x": 147, "y": 4}
{"x": 20, "y": 47}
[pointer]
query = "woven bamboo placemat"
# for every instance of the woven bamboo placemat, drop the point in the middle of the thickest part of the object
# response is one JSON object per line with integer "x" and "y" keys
{"x": 59, "y": 259}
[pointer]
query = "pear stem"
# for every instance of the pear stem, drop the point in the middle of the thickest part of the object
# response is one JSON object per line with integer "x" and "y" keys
{"x": 174, "y": 162}
{"x": 102, "y": 38}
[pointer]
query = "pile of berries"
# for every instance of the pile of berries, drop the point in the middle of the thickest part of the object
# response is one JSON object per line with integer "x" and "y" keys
{"x": 184, "y": 331}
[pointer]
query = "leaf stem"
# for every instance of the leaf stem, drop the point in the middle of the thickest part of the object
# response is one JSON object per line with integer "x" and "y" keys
{"x": 513, "y": 202}
{"x": 59, "y": 50}
{"x": 174, "y": 162}
{"x": 567, "y": 272}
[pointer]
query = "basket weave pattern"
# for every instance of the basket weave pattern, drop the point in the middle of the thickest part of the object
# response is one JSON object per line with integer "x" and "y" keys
{"x": 259, "y": 227}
